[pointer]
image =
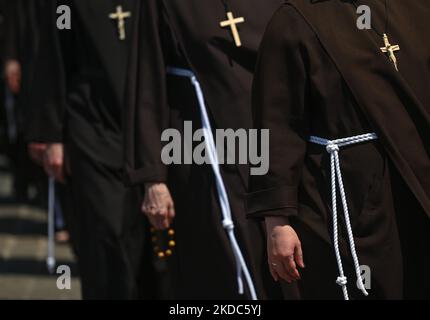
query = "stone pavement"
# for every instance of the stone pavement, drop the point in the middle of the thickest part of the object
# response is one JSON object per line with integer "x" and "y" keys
{"x": 23, "y": 247}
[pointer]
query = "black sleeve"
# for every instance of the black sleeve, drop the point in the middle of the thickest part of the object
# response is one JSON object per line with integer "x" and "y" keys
{"x": 48, "y": 95}
{"x": 147, "y": 111}
{"x": 279, "y": 102}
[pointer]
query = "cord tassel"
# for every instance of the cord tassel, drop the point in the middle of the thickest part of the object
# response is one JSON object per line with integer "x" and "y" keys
{"x": 333, "y": 148}
{"x": 241, "y": 267}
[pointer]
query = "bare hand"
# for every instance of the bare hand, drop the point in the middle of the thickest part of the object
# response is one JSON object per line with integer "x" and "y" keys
{"x": 37, "y": 152}
{"x": 158, "y": 205}
{"x": 53, "y": 161}
{"x": 284, "y": 250}
{"x": 13, "y": 76}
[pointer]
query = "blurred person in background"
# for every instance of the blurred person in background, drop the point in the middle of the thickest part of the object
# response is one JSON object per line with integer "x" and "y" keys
{"x": 20, "y": 45}
{"x": 76, "y": 111}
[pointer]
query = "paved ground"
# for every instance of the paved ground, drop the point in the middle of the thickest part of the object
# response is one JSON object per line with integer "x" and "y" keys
{"x": 23, "y": 247}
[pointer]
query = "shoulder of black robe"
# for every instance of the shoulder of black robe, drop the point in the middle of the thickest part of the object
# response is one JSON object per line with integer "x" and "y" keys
{"x": 224, "y": 71}
{"x": 394, "y": 103}
{"x": 111, "y": 53}
{"x": 70, "y": 56}
{"x": 46, "y": 113}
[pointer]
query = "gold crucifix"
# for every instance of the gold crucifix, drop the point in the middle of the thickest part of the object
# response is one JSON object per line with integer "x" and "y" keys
{"x": 232, "y": 22}
{"x": 390, "y": 50}
{"x": 120, "y": 16}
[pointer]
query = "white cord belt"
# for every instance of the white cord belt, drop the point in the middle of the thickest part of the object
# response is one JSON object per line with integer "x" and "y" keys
{"x": 222, "y": 193}
{"x": 333, "y": 147}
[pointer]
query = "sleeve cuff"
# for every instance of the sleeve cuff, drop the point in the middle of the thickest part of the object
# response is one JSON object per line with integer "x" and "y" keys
{"x": 135, "y": 177}
{"x": 279, "y": 201}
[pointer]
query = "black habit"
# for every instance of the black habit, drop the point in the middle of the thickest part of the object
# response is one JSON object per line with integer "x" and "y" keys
{"x": 79, "y": 86}
{"x": 319, "y": 75}
{"x": 21, "y": 39}
{"x": 187, "y": 34}
{"x": 2, "y": 87}
{"x": 21, "y": 43}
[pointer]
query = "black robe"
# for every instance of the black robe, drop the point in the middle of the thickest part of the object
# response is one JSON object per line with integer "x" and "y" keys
{"x": 3, "y": 122}
{"x": 79, "y": 86}
{"x": 21, "y": 44}
{"x": 3, "y": 12}
{"x": 21, "y": 38}
{"x": 332, "y": 81}
{"x": 187, "y": 34}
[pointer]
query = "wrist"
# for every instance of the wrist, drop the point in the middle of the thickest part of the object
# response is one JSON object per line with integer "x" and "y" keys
{"x": 276, "y": 222}
{"x": 54, "y": 144}
{"x": 152, "y": 184}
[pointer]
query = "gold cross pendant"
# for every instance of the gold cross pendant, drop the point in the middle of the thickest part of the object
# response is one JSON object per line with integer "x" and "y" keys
{"x": 120, "y": 16}
{"x": 232, "y": 22}
{"x": 390, "y": 51}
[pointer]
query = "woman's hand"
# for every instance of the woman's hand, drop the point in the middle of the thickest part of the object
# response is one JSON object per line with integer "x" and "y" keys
{"x": 37, "y": 152}
{"x": 158, "y": 205}
{"x": 284, "y": 250}
{"x": 53, "y": 161}
{"x": 13, "y": 75}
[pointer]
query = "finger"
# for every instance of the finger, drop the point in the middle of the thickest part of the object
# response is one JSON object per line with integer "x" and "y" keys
{"x": 281, "y": 271}
{"x": 296, "y": 273}
{"x": 273, "y": 273}
{"x": 157, "y": 200}
{"x": 61, "y": 177}
{"x": 171, "y": 213}
{"x": 144, "y": 207}
{"x": 150, "y": 211}
{"x": 147, "y": 207}
{"x": 291, "y": 268}
{"x": 153, "y": 222}
{"x": 289, "y": 279}
{"x": 48, "y": 169}
{"x": 158, "y": 221}
{"x": 166, "y": 223}
{"x": 171, "y": 210}
{"x": 57, "y": 171}
{"x": 272, "y": 270}
{"x": 286, "y": 277}
{"x": 158, "y": 224}
{"x": 162, "y": 219}
{"x": 159, "y": 215}
{"x": 170, "y": 220}
{"x": 298, "y": 256}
